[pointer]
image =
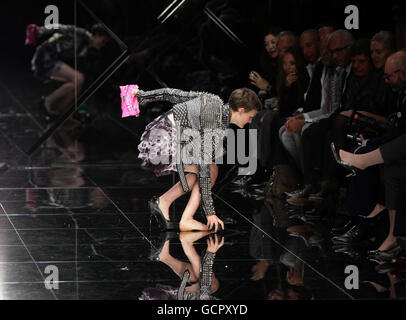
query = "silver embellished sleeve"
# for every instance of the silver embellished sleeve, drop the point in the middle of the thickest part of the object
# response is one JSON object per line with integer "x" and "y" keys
{"x": 206, "y": 273}
{"x": 211, "y": 120}
{"x": 166, "y": 94}
{"x": 203, "y": 172}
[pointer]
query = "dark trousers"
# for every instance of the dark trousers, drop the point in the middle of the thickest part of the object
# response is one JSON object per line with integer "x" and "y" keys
{"x": 319, "y": 162}
{"x": 337, "y": 133}
{"x": 313, "y": 149}
{"x": 395, "y": 185}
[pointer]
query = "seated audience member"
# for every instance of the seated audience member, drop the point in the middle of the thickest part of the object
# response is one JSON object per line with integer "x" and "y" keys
{"x": 367, "y": 85}
{"x": 292, "y": 81}
{"x": 313, "y": 125}
{"x": 395, "y": 76}
{"x": 291, "y": 84}
{"x": 266, "y": 79}
{"x": 393, "y": 156}
{"x": 331, "y": 125}
{"x": 310, "y": 44}
{"x": 324, "y": 30}
{"x": 382, "y": 46}
{"x": 285, "y": 40}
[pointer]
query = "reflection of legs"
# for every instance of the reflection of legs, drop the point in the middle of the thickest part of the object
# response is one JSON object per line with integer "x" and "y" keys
{"x": 187, "y": 223}
{"x": 176, "y": 265}
{"x": 174, "y": 193}
{"x": 66, "y": 93}
{"x": 187, "y": 239}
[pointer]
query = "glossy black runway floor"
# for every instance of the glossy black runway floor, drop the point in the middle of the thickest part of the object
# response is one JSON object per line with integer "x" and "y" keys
{"x": 78, "y": 205}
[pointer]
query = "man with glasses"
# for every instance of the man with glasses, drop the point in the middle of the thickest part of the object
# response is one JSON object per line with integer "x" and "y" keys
{"x": 315, "y": 125}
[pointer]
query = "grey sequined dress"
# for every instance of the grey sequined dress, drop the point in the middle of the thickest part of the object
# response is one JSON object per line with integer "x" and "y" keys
{"x": 199, "y": 113}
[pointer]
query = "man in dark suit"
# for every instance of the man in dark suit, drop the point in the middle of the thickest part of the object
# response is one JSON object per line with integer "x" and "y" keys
{"x": 315, "y": 125}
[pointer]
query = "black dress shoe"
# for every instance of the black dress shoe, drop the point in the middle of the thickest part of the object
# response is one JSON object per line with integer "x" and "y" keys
{"x": 350, "y": 251}
{"x": 159, "y": 216}
{"x": 343, "y": 229}
{"x": 356, "y": 234}
{"x": 385, "y": 255}
{"x": 385, "y": 268}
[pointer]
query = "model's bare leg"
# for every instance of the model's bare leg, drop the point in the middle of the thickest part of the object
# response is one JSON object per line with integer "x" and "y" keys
{"x": 390, "y": 240}
{"x": 187, "y": 222}
{"x": 174, "y": 193}
{"x": 362, "y": 161}
{"x": 65, "y": 93}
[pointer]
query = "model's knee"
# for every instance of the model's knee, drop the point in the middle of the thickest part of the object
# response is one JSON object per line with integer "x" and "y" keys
{"x": 191, "y": 179}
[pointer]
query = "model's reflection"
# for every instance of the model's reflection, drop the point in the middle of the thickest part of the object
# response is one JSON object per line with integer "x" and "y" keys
{"x": 198, "y": 282}
{"x": 59, "y": 45}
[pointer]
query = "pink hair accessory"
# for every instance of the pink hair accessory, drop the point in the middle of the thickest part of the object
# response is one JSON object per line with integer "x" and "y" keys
{"x": 31, "y": 34}
{"x": 129, "y": 101}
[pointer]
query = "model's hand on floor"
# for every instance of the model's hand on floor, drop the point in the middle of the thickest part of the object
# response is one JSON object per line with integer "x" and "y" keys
{"x": 214, "y": 221}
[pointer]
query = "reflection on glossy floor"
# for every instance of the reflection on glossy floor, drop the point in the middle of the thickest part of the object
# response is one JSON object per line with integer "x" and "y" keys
{"x": 80, "y": 204}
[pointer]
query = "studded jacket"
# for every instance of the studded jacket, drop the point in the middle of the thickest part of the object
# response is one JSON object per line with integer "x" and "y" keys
{"x": 64, "y": 39}
{"x": 202, "y": 112}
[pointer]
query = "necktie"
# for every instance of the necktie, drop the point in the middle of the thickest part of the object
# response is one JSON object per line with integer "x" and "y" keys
{"x": 330, "y": 91}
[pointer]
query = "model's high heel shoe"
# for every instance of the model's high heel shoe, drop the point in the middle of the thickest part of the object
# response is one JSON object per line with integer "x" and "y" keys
{"x": 43, "y": 112}
{"x": 343, "y": 163}
{"x": 159, "y": 216}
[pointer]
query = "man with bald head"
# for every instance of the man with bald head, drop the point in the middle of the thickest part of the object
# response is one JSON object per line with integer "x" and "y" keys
{"x": 285, "y": 40}
{"x": 310, "y": 44}
{"x": 395, "y": 71}
{"x": 324, "y": 31}
{"x": 395, "y": 76}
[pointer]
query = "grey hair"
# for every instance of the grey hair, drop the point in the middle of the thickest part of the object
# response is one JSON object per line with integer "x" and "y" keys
{"x": 386, "y": 38}
{"x": 313, "y": 31}
{"x": 287, "y": 33}
{"x": 349, "y": 38}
